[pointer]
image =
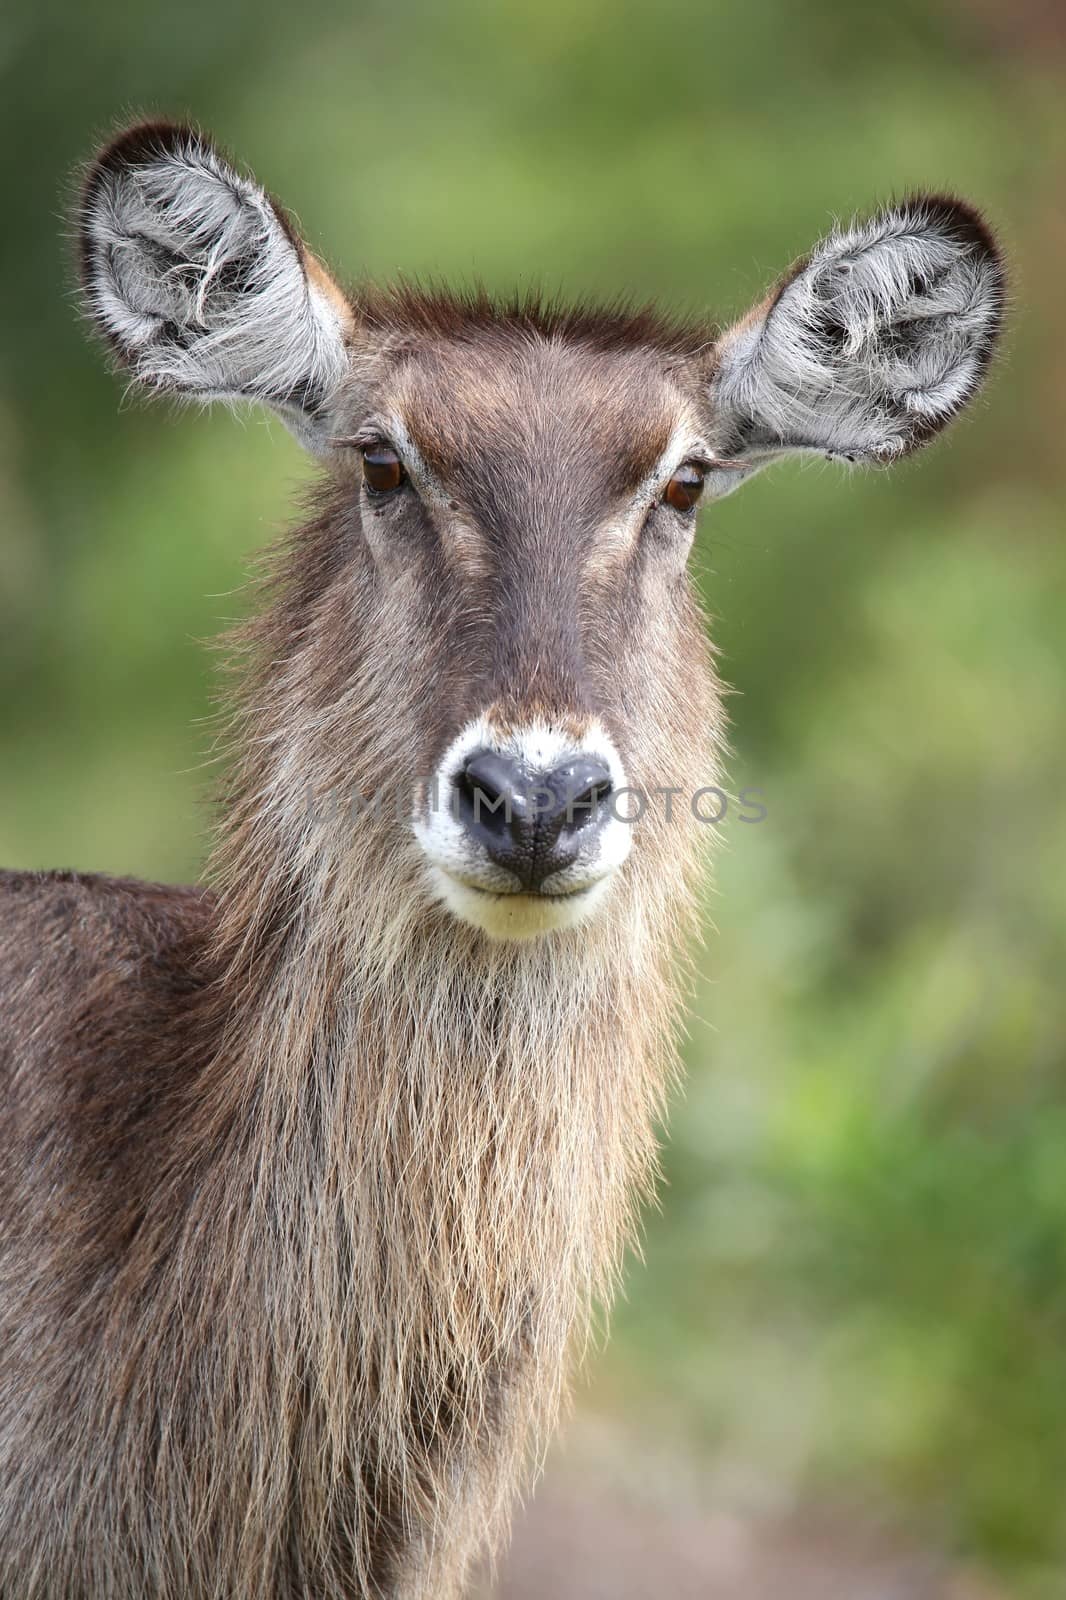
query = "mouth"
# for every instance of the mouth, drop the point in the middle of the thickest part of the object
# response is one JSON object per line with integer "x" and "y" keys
{"x": 517, "y": 914}
{"x": 534, "y": 896}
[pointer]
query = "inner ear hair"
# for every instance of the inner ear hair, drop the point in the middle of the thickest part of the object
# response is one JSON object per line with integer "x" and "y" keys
{"x": 872, "y": 343}
{"x": 199, "y": 282}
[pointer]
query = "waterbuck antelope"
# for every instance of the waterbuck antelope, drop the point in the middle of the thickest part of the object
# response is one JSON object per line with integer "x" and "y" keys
{"x": 310, "y": 1178}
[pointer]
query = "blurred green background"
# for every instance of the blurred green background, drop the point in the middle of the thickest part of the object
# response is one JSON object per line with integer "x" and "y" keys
{"x": 857, "y": 1285}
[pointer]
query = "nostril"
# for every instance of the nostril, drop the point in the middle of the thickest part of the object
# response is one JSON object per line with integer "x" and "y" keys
{"x": 588, "y": 803}
{"x": 475, "y": 795}
{"x": 586, "y": 786}
{"x": 489, "y": 791}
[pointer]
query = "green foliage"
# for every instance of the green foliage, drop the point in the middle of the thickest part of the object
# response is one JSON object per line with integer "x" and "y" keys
{"x": 859, "y": 1274}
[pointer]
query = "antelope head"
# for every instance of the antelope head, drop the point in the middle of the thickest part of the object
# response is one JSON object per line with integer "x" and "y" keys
{"x": 516, "y": 489}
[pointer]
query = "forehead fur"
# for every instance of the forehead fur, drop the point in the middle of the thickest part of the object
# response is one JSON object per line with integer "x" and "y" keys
{"x": 619, "y": 326}
{"x": 542, "y": 386}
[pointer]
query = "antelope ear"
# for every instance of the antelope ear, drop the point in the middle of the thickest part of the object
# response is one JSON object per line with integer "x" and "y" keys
{"x": 202, "y": 287}
{"x": 867, "y": 347}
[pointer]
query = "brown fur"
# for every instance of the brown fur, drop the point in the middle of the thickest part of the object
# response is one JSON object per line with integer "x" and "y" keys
{"x": 308, "y": 1186}
{"x": 313, "y": 1186}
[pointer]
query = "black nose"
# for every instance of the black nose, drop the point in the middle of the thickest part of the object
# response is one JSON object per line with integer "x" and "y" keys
{"x": 531, "y": 823}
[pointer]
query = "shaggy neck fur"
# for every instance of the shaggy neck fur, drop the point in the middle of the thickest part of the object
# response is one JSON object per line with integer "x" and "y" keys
{"x": 408, "y": 1170}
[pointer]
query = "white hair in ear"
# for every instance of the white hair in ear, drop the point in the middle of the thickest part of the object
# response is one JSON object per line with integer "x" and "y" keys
{"x": 870, "y": 345}
{"x": 201, "y": 286}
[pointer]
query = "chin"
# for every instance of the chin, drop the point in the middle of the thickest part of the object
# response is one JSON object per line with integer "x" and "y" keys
{"x": 519, "y": 917}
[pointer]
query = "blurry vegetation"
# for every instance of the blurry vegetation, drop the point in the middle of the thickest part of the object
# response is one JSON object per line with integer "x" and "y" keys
{"x": 858, "y": 1280}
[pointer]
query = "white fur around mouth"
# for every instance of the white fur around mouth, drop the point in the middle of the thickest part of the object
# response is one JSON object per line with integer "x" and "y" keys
{"x": 512, "y": 914}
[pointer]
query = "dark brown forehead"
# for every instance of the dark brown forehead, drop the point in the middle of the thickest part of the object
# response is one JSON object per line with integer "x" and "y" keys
{"x": 535, "y": 383}
{"x": 531, "y": 405}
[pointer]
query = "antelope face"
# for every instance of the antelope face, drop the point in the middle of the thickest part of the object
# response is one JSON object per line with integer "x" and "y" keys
{"x": 516, "y": 487}
{"x": 544, "y": 493}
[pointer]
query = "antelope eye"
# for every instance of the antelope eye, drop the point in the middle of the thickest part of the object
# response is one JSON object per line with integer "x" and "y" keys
{"x": 382, "y": 469}
{"x": 683, "y": 491}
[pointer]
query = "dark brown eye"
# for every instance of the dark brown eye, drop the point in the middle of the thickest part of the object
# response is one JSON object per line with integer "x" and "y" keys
{"x": 685, "y": 487}
{"x": 382, "y": 469}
